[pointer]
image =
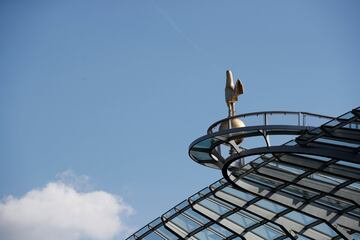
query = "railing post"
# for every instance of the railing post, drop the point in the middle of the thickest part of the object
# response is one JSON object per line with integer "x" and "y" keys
{"x": 265, "y": 119}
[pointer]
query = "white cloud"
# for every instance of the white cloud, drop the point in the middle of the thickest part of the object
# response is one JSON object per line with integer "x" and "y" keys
{"x": 60, "y": 212}
{"x": 78, "y": 182}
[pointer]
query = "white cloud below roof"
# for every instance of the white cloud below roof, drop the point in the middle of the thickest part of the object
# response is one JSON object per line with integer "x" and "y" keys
{"x": 59, "y": 211}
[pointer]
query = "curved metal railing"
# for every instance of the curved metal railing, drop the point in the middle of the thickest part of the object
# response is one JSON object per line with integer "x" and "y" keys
{"x": 266, "y": 118}
{"x": 206, "y": 150}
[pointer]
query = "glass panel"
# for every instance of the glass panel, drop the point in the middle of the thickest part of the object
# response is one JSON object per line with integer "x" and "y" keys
{"x": 212, "y": 165}
{"x": 185, "y": 223}
{"x": 287, "y": 167}
{"x": 243, "y": 219}
{"x": 302, "y": 237}
{"x": 262, "y": 180}
{"x": 343, "y": 171}
{"x": 273, "y": 207}
{"x": 355, "y": 212}
{"x": 200, "y": 194}
{"x": 166, "y": 233}
{"x": 216, "y": 185}
{"x": 196, "y": 216}
{"x": 181, "y": 205}
{"x": 352, "y": 126}
{"x": 207, "y": 235}
{"x": 337, "y": 142}
{"x": 235, "y": 170}
{"x": 155, "y": 222}
{"x": 349, "y": 164}
{"x": 312, "y": 156}
{"x": 312, "y": 132}
{"x": 267, "y": 232}
{"x": 200, "y": 155}
{"x": 346, "y": 116}
{"x": 245, "y": 168}
{"x": 242, "y": 195}
{"x": 334, "y": 203}
{"x": 205, "y": 144}
{"x": 220, "y": 230}
{"x": 325, "y": 178}
{"x": 355, "y": 186}
{"x": 355, "y": 236}
{"x": 291, "y": 143}
{"x": 195, "y": 197}
{"x": 221, "y": 202}
{"x": 256, "y": 162}
{"x": 325, "y": 229}
{"x": 152, "y": 236}
{"x": 300, "y": 192}
{"x": 142, "y": 231}
{"x": 332, "y": 123}
{"x": 217, "y": 208}
{"x": 300, "y": 218}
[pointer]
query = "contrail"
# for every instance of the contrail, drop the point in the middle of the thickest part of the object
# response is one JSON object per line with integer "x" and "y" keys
{"x": 177, "y": 28}
{"x": 181, "y": 33}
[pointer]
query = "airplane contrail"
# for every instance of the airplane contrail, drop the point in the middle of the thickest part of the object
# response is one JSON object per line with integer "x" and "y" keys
{"x": 180, "y": 32}
{"x": 177, "y": 28}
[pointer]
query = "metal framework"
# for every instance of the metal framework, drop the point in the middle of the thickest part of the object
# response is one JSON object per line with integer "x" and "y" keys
{"x": 307, "y": 188}
{"x": 206, "y": 150}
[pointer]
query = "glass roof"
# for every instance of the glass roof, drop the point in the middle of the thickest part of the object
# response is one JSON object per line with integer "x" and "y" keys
{"x": 277, "y": 195}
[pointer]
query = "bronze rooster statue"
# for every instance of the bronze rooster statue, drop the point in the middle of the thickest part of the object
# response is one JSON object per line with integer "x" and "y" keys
{"x": 232, "y": 92}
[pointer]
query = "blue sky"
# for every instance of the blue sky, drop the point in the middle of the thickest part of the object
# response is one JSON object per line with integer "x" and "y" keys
{"x": 117, "y": 90}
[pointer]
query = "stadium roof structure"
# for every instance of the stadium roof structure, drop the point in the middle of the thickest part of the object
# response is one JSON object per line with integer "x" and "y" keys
{"x": 305, "y": 188}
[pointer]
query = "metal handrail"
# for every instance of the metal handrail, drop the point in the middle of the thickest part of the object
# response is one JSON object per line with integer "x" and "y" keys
{"x": 301, "y": 117}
